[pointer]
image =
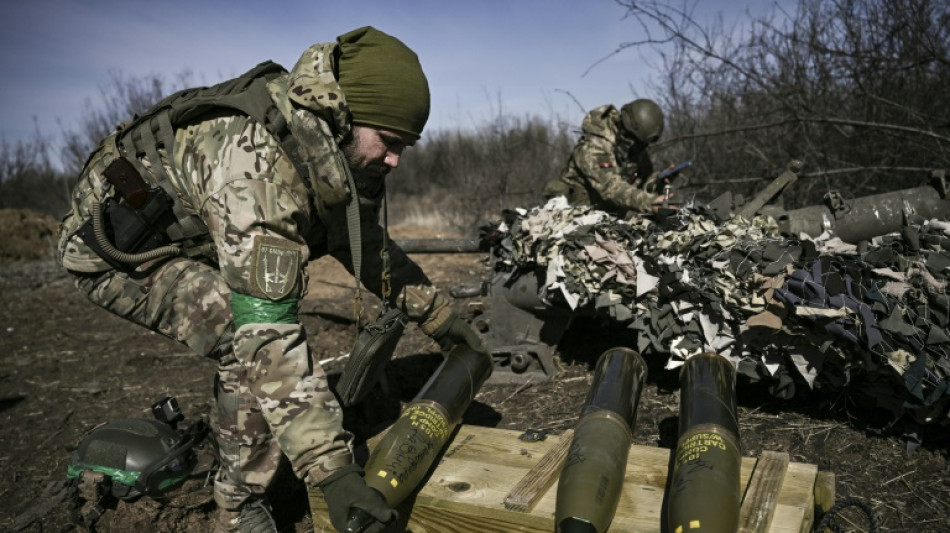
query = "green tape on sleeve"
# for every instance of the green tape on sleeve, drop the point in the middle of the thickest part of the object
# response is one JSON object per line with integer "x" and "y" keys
{"x": 250, "y": 310}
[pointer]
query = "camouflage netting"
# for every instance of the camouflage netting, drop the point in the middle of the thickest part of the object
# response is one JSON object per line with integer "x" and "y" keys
{"x": 798, "y": 313}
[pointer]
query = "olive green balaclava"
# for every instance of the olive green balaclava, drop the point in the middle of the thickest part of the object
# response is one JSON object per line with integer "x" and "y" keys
{"x": 383, "y": 81}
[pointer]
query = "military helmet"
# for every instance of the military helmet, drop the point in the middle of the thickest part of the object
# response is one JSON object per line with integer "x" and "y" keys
{"x": 138, "y": 456}
{"x": 644, "y": 119}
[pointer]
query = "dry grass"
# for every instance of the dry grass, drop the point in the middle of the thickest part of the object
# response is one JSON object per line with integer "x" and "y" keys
{"x": 26, "y": 235}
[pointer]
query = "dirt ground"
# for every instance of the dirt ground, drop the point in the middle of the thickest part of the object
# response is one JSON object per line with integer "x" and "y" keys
{"x": 68, "y": 366}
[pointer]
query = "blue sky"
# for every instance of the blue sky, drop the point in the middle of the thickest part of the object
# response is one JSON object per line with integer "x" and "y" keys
{"x": 518, "y": 57}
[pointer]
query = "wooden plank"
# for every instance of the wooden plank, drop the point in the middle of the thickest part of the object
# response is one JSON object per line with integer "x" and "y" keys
{"x": 761, "y": 494}
{"x": 824, "y": 494}
{"x": 468, "y": 487}
{"x": 428, "y": 516}
{"x": 538, "y": 480}
{"x": 795, "y": 511}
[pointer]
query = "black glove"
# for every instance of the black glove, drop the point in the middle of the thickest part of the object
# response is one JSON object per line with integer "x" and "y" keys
{"x": 345, "y": 489}
{"x": 457, "y": 331}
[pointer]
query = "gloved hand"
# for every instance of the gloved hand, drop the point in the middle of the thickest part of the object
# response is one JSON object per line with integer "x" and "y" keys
{"x": 345, "y": 489}
{"x": 456, "y": 331}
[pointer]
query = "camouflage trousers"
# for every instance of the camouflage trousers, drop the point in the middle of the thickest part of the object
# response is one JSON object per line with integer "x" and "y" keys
{"x": 188, "y": 301}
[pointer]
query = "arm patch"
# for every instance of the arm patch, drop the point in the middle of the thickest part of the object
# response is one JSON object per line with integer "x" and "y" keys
{"x": 275, "y": 268}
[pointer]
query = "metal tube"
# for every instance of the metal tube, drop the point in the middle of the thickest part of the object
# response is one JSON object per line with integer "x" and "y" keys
{"x": 404, "y": 455}
{"x": 705, "y": 486}
{"x": 592, "y": 478}
{"x": 867, "y": 216}
{"x": 441, "y": 246}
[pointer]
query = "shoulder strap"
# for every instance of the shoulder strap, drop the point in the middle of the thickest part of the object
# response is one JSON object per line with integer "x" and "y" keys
{"x": 355, "y": 233}
{"x": 155, "y": 129}
{"x": 240, "y": 94}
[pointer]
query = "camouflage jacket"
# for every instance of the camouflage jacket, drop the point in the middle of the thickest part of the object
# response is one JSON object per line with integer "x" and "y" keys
{"x": 265, "y": 223}
{"x": 601, "y": 173}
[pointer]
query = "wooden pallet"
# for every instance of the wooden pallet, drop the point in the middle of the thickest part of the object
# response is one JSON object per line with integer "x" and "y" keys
{"x": 489, "y": 481}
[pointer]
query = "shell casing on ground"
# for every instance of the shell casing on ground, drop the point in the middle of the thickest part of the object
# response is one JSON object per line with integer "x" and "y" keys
{"x": 403, "y": 457}
{"x": 592, "y": 477}
{"x": 704, "y": 488}
{"x": 457, "y": 380}
{"x": 617, "y": 383}
{"x": 708, "y": 393}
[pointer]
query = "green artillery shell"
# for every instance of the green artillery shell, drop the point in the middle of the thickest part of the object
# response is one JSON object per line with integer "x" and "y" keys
{"x": 404, "y": 455}
{"x": 592, "y": 478}
{"x": 705, "y": 488}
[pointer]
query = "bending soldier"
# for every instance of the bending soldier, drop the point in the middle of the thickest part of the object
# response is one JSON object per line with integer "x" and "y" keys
{"x": 241, "y": 185}
{"x": 609, "y": 167}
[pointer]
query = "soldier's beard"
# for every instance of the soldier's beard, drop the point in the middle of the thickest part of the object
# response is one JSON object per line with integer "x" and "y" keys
{"x": 368, "y": 175}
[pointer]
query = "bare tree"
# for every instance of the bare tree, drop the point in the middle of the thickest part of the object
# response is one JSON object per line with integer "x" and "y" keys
{"x": 472, "y": 175}
{"x": 121, "y": 99}
{"x": 28, "y": 179}
{"x": 851, "y": 87}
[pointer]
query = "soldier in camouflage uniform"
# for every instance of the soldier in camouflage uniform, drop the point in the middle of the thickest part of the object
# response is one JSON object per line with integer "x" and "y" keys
{"x": 609, "y": 167}
{"x": 232, "y": 294}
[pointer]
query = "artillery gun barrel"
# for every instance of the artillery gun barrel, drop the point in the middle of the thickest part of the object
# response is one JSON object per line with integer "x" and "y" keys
{"x": 403, "y": 456}
{"x": 705, "y": 487}
{"x": 441, "y": 246}
{"x": 592, "y": 478}
{"x": 859, "y": 219}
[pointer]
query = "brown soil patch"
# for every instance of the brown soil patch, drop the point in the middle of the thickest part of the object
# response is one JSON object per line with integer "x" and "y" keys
{"x": 26, "y": 235}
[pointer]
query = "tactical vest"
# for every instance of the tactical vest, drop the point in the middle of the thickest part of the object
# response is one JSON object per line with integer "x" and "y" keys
{"x": 144, "y": 135}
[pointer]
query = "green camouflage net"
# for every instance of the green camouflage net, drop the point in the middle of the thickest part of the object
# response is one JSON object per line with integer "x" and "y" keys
{"x": 793, "y": 312}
